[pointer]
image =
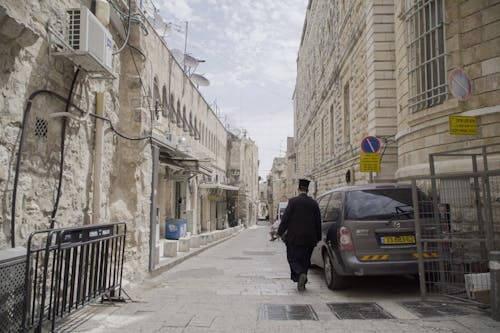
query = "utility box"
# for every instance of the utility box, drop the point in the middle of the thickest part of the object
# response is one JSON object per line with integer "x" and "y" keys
{"x": 175, "y": 228}
{"x": 12, "y": 288}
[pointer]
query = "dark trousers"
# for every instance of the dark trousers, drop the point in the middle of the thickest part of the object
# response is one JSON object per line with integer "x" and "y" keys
{"x": 299, "y": 259}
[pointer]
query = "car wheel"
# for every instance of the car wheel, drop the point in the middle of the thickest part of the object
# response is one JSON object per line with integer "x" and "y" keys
{"x": 332, "y": 279}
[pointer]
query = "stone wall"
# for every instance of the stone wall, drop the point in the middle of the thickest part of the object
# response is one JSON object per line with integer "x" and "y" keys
{"x": 472, "y": 41}
{"x": 345, "y": 90}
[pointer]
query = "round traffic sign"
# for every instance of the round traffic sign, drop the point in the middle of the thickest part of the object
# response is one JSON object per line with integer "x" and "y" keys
{"x": 460, "y": 85}
{"x": 370, "y": 144}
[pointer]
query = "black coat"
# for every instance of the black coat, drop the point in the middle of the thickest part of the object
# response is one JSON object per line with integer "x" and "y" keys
{"x": 301, "y": 221}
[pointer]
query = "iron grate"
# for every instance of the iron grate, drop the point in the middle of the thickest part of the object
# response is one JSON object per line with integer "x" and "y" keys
{"x": 358, "y": 311}
{"x": 287, "y": 312}
{"x": 41, "y": 128}
{"x": 434, "y": 309}
{"x": 12, "y": 295}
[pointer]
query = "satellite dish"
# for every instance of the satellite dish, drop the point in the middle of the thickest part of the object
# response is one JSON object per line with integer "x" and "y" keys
{"x": 199, "y": 80}
{"x": 191, "y": 61}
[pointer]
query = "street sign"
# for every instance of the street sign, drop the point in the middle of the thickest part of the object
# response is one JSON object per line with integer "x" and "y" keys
{"x": 463, "y": 125}
{"x": 370, "y": 144}
{"x": 369, "y": 162}
{"x": 459, "y": 84}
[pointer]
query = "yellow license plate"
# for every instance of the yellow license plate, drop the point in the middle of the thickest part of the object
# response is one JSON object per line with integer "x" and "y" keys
{"x": 395, "y": 240}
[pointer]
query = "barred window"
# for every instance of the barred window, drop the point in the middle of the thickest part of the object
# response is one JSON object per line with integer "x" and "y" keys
{"x": 426, "y": 53}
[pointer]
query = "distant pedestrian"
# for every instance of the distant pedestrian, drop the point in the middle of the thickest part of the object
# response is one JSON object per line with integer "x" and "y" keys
{"x": 300, "y": 229}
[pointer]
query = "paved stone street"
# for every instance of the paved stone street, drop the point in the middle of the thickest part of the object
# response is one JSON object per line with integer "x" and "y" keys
{"x": 226, "y": 287}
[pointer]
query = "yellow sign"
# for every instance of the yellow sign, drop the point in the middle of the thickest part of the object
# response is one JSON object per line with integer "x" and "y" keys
{"x": 369, "y": 162}
{"x": 462, "y": 125}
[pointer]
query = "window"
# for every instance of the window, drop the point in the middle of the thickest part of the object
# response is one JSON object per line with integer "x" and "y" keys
{"x": 179, "y": 114}
{"x": 172, "y": 109}
{"x": 185, "y": 126}
{"x": 164, "y": 108}
{"x": 156, "y": 98}
{"x": 334, "y": 208}
{"x": 347, "y": 114}
{"x": 425, "y": 43}
{"x": 322, "y": 203}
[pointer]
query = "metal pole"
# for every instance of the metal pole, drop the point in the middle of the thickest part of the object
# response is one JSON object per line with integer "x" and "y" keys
{"x": 495, "y": 285}
{"x": 416, "y": 213}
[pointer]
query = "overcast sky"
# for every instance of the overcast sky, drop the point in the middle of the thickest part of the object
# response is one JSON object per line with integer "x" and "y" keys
{"x": 250, "y": 48}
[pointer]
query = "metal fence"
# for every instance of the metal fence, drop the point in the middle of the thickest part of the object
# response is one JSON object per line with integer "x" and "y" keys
{"x": 68, "y": 268}
{"x": 458, "y": 224}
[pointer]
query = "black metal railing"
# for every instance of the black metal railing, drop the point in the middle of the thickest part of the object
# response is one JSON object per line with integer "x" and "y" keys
{"x": 69, "y": 268}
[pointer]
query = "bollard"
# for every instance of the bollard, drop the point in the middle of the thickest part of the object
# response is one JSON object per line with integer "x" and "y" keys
{"x": 495, "y": 285}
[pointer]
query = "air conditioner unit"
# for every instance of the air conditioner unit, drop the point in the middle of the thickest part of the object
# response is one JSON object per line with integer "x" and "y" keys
{"x": 90, "y": 43}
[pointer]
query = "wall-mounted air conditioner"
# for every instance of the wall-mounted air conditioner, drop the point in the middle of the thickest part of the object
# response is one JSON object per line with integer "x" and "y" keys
{"x": 85, "y": 41}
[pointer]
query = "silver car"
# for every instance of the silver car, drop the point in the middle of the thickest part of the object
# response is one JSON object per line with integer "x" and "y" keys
{"x": 366, "y": 230}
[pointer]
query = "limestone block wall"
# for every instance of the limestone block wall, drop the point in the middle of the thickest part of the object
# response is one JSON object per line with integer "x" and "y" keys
{"x": 345, "y": 90}
{"x": 25, "y": 68}
{"x": 472, "y": 43}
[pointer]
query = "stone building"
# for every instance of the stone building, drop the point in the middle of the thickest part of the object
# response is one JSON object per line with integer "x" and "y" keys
{"x": 277, "y": 184}
{"x": 160, "y": 153}
{"x": 382, "y": 68}
{"x": 291, "y": 168}
{"x": 243, "y": 171}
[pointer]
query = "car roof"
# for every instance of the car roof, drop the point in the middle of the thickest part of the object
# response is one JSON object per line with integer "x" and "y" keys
{"x": 371, "y": 186}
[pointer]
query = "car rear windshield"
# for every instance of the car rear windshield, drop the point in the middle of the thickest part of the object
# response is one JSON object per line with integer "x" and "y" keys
{"x": 379, "y": 204}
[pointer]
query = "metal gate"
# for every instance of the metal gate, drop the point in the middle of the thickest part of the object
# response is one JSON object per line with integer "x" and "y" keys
{"x": 69, "y": 268}
{"x": 458, "y": 224}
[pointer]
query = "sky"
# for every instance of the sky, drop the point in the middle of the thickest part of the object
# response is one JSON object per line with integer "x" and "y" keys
{"x": 250, "y": 50}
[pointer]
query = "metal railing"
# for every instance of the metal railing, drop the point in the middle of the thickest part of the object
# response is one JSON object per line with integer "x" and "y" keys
{"x": 458, "y": 225}
{"x": 69, "y": 268}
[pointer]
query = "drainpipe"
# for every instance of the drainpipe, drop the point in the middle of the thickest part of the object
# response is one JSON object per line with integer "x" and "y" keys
{"x": 98, "y": 150}
{"x": 155, "y": 152}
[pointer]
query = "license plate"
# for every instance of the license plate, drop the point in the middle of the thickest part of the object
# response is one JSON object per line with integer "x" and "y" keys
{"x": 396, "y": 240}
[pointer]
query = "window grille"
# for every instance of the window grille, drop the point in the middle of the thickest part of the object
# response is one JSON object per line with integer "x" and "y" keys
{"x": 426, "y": 53}
{"x": 41, "y": 128}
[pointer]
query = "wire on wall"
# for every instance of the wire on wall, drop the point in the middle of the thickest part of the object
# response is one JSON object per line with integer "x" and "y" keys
{"x": 63, "y": 141}
{"x": 127, "y": 36}
{"x": 26, "y": 113}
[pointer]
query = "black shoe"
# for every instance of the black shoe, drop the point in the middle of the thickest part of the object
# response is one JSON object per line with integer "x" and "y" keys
{"x": 301, "y": 285}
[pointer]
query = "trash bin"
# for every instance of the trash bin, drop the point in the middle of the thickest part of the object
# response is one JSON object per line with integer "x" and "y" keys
{"x": 175, "y": 228}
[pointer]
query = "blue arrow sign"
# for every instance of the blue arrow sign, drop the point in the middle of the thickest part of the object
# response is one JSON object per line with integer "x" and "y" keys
{"x": 370, "y": 144}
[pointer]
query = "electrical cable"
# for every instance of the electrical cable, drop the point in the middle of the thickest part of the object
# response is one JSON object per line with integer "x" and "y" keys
{"x": 63, "y": 141}
{"x": 127, "y": 36}
{"x": 26, "y": 113}
{"x": 132, "y": 20}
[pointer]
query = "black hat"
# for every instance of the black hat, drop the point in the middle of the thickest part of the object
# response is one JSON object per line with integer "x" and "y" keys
{"x": 304, "y": 184}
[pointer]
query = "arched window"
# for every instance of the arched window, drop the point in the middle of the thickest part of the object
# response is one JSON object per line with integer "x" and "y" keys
{"x": 185, "y": 127}
{"x": 156, "y": 98}
{"x": 179, "y": 114}
{"x": 190, "y": 125}
{"x": 164, "y": 98}
{"x": 172, "y": 109}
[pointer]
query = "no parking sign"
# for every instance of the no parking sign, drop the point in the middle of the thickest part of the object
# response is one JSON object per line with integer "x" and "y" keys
{"x": 460, "y": 85}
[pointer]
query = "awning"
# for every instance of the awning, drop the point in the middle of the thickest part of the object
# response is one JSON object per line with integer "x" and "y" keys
{"x": 218, "y": 186}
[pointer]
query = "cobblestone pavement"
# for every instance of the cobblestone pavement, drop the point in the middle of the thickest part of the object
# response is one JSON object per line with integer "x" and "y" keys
{"x": 227, "y": 287}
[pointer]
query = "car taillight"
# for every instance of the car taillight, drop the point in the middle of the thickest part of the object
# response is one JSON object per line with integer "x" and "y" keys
{"x": 345, "y": 239}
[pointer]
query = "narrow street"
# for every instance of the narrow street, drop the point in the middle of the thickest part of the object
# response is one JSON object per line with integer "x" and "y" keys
{"x": 226, "y": 289}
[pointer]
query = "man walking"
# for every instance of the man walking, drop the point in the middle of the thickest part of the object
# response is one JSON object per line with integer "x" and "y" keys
{"x": 302, "y": 224}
